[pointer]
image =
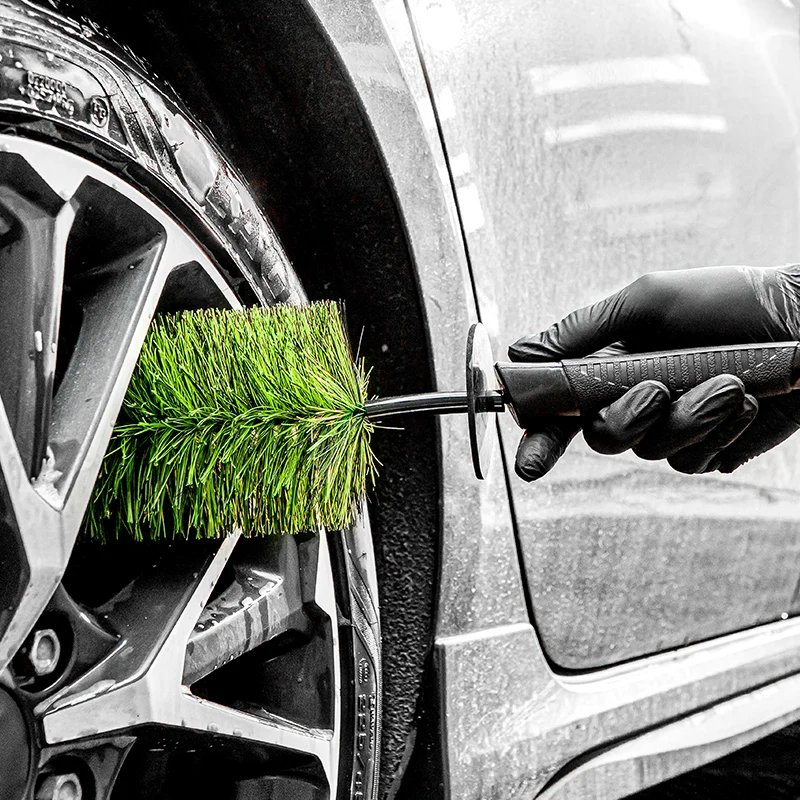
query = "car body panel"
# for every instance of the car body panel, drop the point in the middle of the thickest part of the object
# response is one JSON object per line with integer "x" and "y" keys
{"x": 590, "y": 144}
{"x": 689, "y": 742}
{"x": 513, "y": 727}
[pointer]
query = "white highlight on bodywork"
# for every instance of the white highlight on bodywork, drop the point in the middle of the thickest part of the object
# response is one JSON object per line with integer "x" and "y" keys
{"x": 439, "y": 23}
{"x": 426, "y": 113}
{"x": 444, "y": 175}
{"x": 684, "y": 190}
{"x": 445, "y": 104}
{"x": 673, "y": 69}
{"x": 490, "y": 313}
{"x": 635, "y": 122}
{"x": 469, "y": 203}
{"x": 459, "y": 165}
{"x": 482, "y": 635}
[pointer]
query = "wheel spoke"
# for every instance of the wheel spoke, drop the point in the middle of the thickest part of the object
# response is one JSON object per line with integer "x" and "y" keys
{"x": 94, "y": 257}
{"x": 202, "y": 715}
{"x": 258, "y": 606}
{"x": 147, "y": 701}
{"x": 34, "y": 225}
{"x": 113, "y": 294}
{"x": 33, "y": 546}
{"x": 103, "y": 362}
{"x": 141, "y": 681}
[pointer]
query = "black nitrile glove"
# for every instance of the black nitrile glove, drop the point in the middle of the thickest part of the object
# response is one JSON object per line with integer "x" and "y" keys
{"x": 716, "y": 425}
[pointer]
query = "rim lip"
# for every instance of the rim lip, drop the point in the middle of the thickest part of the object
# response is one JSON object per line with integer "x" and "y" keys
{"x": 77, "y": 166}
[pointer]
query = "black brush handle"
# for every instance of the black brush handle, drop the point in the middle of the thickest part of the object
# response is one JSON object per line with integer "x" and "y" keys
{"x": 584, "y": 385}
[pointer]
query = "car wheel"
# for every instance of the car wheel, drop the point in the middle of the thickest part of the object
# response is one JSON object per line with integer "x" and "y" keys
{"x": 227, "y": 669}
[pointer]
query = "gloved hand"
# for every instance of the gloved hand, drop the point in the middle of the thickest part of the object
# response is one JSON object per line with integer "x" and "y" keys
{"x": 716, "y": 425}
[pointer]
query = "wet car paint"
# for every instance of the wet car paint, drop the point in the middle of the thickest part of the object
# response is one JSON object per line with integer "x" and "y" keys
{"x": 590, "y": 144}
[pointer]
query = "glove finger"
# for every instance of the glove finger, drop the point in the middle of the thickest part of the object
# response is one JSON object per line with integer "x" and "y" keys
{"x": 704, "y": 456}
{"x": 778, "y": 418}
{"x": 693, "y": 416}
{"x": 583, "y": 331}
{"x": 539, "y": 449}
{"x": 626, "y": 421}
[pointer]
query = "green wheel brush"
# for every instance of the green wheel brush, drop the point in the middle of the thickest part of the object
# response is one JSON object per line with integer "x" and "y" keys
{"x": 259, "y": 420}
{"x": 248, "y": 419}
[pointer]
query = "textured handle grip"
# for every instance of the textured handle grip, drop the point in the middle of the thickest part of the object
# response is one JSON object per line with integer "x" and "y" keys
{"x": 582, "y": 386}
{"x": 766, "y": 370}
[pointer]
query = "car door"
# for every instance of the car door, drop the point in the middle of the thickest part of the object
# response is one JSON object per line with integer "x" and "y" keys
{"x": 590, "y": 143}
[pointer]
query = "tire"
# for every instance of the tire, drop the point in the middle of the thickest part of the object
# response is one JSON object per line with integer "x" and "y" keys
{"x": 240, "y": 669}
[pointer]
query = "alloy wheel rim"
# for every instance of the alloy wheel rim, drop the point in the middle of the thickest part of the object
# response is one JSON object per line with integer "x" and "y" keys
{"x": 144, "y": 647}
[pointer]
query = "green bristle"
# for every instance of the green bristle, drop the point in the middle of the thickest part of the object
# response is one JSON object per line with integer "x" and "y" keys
{"x": 238, "y": 419}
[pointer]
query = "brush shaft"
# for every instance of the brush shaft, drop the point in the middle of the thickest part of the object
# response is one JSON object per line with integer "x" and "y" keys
{"x": 583, "y": 386}
{"x": 431, "y": 402}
